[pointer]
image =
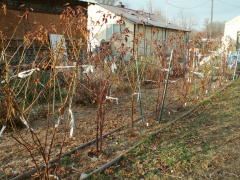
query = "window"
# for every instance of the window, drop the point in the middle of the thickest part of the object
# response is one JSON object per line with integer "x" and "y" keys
{"x": 113, "y": 29}
{"x": 58, "y": 45}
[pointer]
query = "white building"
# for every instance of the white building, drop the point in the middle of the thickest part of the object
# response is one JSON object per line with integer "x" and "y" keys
{"x": 232, "y": 27}
{"x": 104, "y": 21}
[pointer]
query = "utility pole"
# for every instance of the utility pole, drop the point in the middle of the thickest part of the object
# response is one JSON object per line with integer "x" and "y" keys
{"x": 150, "y": 7}
{"x": 166, "y": 12}
{"x": 211, "y": 28}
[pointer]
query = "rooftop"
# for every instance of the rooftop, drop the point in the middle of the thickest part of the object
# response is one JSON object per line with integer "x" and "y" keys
{"x": 234, "y": 20}
{"x": 141, "y": 17}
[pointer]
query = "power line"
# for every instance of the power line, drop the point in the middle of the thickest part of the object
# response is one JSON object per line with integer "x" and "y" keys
{"x": 197, "y": 6}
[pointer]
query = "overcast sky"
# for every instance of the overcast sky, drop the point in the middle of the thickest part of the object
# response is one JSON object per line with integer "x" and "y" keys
{"x": 199, "y": 10}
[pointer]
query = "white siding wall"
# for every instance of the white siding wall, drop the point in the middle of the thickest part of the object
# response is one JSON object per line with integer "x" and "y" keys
{"x": 151, "y": 34}
{"x": 232, "y": 27}
{"x": 101, "y": 31}
{"x": 97, "y": 28}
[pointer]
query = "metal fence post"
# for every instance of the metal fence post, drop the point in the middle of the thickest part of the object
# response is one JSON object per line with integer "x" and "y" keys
{"x": 165, "y": 88}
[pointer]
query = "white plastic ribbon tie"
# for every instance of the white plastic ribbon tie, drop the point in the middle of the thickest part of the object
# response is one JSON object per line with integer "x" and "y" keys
{"x": 72, "y": 122}
{"x": 2, "y": 130}
{"x": 165, "y": 70}
{"x": 64, "y": 67}
{"x": 189, "y": 80}
{"x": 138, "y": 96}
{"x": 200, "y": 75}
{"x": 58, "y": 121}
{"x": 113, "y": 67}
{"x": 53, "y": 176}
{"x": 27, "y": 73}
{"x": 24, "y": 122}
{"x": 88, "y": 69}
{"x": 112, "y": 99}
{"x": 170, "y": 81}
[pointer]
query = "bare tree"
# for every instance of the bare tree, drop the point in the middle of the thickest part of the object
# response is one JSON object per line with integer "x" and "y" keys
{"x": 150, "y": 9}
{"x": 216, "y": 27}
{"x": 160, "y": 14}
{"x": 184, "y": 21}
{"x": 149, "y": 6}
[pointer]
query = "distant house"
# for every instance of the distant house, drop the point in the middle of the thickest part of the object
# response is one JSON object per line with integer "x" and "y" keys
{"x": 45, "y": 13}
{"x": 232, "y": 28}
{"x": 152, "y": 27}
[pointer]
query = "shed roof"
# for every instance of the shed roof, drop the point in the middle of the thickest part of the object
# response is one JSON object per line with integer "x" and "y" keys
{"x": 89, "y": 1}
{"x": 233, "y": 21}
{"x": 44, "y": 6}
{"x": 140, "y": 17}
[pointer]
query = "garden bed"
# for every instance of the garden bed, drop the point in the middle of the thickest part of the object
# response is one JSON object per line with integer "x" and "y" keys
{"x": 16, "y": 160}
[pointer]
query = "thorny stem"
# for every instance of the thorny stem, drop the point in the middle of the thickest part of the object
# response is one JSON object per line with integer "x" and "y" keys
{"x": 30, "y": 152}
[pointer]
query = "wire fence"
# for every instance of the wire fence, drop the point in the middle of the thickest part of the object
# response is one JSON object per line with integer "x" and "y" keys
{"x": 44, "y": 86}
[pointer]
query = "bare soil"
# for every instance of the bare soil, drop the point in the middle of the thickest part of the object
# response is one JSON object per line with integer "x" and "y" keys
{"x": 15, "y": 159}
